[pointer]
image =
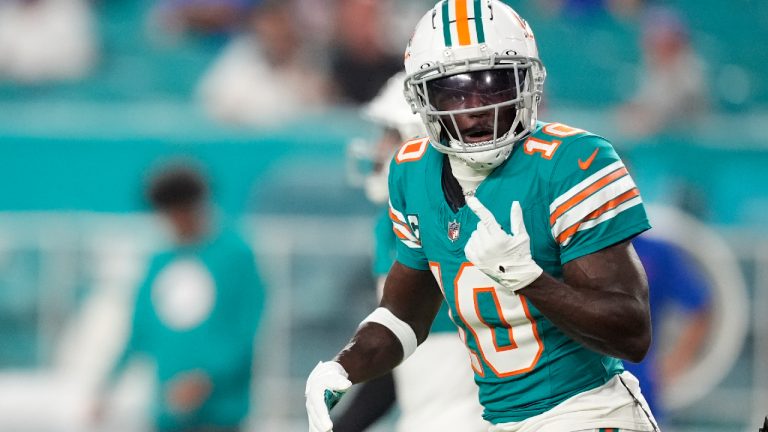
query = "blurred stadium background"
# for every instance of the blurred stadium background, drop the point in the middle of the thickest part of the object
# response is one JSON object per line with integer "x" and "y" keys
{"x": 78, "y": 134}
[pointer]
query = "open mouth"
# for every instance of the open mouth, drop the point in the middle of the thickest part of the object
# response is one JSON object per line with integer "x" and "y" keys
{"x": 476, "y": 135}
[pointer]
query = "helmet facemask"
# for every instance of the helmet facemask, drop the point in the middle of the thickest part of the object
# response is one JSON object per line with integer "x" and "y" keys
{"x": 477, "y": 109}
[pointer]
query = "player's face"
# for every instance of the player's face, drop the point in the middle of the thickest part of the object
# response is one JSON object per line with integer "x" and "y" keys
{"x": 474, "y": 90}
{"x": 189, "y": 222}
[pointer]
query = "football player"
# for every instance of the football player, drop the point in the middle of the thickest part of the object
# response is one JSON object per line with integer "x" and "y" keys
{"x": 434, "y": 387}
{"x": 524, "y": 228}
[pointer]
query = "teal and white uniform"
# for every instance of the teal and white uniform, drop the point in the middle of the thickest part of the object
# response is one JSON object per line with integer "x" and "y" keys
{"x": 198, "y": 309}
{"x": 435, "y": 390}
{"x": 577, "y": 198}
{"x": 383, "y": 257}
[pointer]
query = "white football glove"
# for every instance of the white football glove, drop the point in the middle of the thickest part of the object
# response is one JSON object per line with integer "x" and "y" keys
{"x": 504, "y": 258}
{"x": 325, "y": 385}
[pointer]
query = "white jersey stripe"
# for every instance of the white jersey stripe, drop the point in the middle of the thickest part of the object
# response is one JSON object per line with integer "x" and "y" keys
{"x": 610, "y": 214}
{"x": 583, "y": 185}
{"x": 397, "y": 214}
{"x": 592, "y": 203}
{"x": 402, "y": 227}
{"x": 411, "y": 244}
{"x": 405, "y": 232}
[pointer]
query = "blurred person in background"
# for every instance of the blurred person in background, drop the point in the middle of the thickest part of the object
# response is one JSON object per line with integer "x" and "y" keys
{"x": 263, "y": 77}
{"x": 572, "y": 8}
{"x": 434, "y": 388}
{"x": 362, "y": 59}
{"x": 677, "y": 286}
{"x": 523, "y": 227}
{"x": 626, "y": 8}
{"x": 201, "y": 17}
{"x": 673, "y": 92}
{"x": 46, "y": 40}
{"x": 591, "y": 8}
{"x": 196, "y": 314}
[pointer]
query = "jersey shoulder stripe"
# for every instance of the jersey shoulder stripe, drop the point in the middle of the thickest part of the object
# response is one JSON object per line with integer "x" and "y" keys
{"x": 606, "y": 212}
{"x": 591, "y": 185}
{"x": 585, "y": 188}
{"x": 598, "y": 198}
{"x": 402, "y": 229}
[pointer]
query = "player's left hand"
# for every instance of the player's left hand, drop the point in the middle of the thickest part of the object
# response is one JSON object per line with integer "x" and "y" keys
{"x": 504, "y": 258}
{"x": 326, "y": 384}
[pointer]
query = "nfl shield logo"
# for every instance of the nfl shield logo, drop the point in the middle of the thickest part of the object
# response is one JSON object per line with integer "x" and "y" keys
{"x": 453, "y": 230}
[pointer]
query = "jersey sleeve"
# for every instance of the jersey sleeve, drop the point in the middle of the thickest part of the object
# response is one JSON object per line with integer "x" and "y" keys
{"x": 408, "y": 247}
{"x": 593, "y": 201}
{"x": 384, "y": 244}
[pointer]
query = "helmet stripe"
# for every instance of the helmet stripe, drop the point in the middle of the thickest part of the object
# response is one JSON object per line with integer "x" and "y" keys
{"x": 446, "y": 25}
{"x": 462, "y": 22}
{"x": 479, "y": 21}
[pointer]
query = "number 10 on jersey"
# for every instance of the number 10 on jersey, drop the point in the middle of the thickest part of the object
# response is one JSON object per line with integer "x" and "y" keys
{"x": 499, "y": 321}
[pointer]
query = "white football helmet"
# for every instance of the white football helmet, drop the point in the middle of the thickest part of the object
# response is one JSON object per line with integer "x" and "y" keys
{"x": 475, "y": 77}
{"x": 368, "y": 163}
{"x": 391, "y": 110}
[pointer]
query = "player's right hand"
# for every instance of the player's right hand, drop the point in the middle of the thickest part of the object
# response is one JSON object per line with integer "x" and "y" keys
{"x": 325, "y": 385}
{"x": 503, "y": 257}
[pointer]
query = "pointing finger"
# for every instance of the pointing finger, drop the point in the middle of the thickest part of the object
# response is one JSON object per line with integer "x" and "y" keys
{"x": 516, "y": 222}
{"x": 485, "y": 215}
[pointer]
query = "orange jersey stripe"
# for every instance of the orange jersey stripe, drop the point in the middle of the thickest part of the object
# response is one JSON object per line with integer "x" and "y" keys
{"x": 610, "y": 205}
{"x": 394, "y": 218}
{"x": 589, "y": 190}
{"x": 399, "y": 234}
{"x": 462, "y": 22}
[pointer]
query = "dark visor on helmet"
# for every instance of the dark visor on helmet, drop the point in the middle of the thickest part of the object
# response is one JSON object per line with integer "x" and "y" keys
{"x": 475, "y": 89}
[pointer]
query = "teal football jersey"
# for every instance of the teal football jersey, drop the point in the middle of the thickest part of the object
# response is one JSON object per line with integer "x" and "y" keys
{"x": 577, "y": 198}
{"x": 384, "y": 256}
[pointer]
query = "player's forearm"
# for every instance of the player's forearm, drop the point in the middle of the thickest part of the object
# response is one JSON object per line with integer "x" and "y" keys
{"x": 372, "y": 352}
{"x": 409, "y": 303}
{"x": 608, "y": 321}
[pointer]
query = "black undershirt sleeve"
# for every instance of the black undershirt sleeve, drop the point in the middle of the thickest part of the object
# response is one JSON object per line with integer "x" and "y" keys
{"x": 371, "y": 402}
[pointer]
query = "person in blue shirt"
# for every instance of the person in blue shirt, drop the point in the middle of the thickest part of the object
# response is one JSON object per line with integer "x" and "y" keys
{"x": 196, "y": 314}
{"x": 674, "y": 281}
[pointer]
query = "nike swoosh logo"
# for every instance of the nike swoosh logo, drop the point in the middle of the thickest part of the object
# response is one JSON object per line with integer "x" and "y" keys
{"x": 585, "y": 164}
